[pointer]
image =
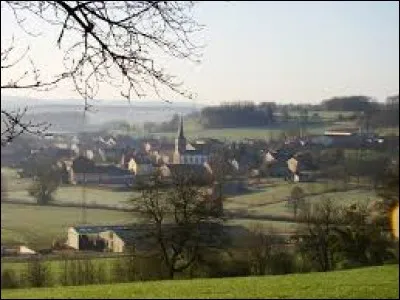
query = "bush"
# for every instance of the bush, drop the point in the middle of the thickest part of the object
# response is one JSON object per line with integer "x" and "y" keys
{"x": 9, "y": 279}
{"x": 79, "y": 272}
{"x": 302, "y": 264}
{"x": 118, "y": 271}
{"x": 100, "y": 274}
{"x": 38, "y": 273}
{"x": 347, "y": 264}
{"x": 227, "y": 266}
{"x": 281, "y": 263}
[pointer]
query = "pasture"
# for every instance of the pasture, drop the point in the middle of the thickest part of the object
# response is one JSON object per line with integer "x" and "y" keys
{"x": 235, "y": 134}
{"x": 17, "y": 188}
{"x": 371, "y": 282}
{"x": 38, "y": 226}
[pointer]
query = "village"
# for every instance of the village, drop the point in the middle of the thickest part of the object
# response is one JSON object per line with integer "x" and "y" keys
{"x": 124, "y": 162}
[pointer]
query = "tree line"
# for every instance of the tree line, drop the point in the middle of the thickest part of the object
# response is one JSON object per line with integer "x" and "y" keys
{"x": 238, "y": 114}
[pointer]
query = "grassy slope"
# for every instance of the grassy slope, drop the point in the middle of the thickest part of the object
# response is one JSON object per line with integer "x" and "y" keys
{"x": 374, "y": 282}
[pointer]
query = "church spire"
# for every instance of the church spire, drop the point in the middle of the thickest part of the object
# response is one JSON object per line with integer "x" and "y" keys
{"x": 180, "y": 131}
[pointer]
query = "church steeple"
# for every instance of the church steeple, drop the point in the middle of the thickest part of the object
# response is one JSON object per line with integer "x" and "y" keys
{"x": 180, "y": 130}
{"x": 180, "y": 141}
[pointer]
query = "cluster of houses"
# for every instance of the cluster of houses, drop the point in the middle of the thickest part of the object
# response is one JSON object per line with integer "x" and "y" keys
{"x": 122, "y": 160}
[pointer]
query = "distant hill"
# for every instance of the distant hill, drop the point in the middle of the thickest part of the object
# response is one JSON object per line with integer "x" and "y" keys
{"x": 13, "y": 101}
{"x": 67, "y": 115}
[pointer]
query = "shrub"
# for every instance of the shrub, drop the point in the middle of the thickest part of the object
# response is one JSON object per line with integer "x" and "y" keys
{"x": 38, "y": 273}
{"x": 302, "y": 264}
{"x": 281, "y": 263}
{"x": 79, "y": 272}
{"x": 9, "y": 279}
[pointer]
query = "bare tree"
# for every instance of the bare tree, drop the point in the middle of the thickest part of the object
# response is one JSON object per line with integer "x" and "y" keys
{"x": 14, "y": 124}
{"x": 296, "y": 199}
{"x": 261, "y": 244}
{"x": 316, "y": 238}
{"x": 104, "y": 42}
{"x": 222, "y": 168}
{"x": 182, "y": 222}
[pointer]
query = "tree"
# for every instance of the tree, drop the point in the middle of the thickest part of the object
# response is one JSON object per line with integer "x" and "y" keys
{"x": 296, "y": 199}
{"x": 104, "y": 42}
{"x": 47, "y": 178}
{"x": 363, "y": 239}
{"x": 220, "y": 163}
{"x": 388, "y": 187}
{"x": 261, "y": 243}
{"x": 316, "y": 238}
{"x": 183, "y": 221}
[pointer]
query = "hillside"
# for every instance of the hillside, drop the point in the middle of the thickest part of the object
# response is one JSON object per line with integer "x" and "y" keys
{"x": 373, "y": 282}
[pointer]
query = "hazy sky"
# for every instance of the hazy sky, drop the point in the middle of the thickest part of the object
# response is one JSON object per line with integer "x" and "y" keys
{"x": 275, "y": 51}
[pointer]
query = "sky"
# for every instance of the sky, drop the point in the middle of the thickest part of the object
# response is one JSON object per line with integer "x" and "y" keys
{"x": 287, "y": 52}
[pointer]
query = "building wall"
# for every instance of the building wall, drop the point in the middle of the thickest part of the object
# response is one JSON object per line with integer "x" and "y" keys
{"x": 73, "y": 239}
{"x": 193, "y": 159}
{"x": 113, "y": 242}
{"x": 132, "y": 166}
{"x": 140, "y": 169}
{"x": 119, "y": 245}
{"x": 95, "y": 178}
{"x": 26, "y": 250}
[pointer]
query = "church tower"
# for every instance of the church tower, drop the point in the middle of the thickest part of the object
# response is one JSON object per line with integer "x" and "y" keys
{"x": 180, "y": 144}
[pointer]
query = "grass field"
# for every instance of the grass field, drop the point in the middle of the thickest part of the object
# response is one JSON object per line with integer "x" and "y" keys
{"x": 37, "y": 226}
{"x": 373, "y": 282}
{"x": 17, "y": 189}
{"x": 234, "y": 134}
{"x": 270, "y": 199}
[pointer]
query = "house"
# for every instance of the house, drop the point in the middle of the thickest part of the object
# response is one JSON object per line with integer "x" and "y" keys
{"x": 16, "y": 250}
{"x": 139, "y": 237}
{"x": 162, "y": 153}
{"x": 152, "y": 145}
{"x": 85, "y": 171}
{"x": 278, "y": 166}
{"x": 269, "y": 157}
{"x": 88, "y": 237}
{"x": 187, "y": 154}
{"x": 135, "y": 237}
{"x": 141, "y": 166}
{"x": 199, "y": 174}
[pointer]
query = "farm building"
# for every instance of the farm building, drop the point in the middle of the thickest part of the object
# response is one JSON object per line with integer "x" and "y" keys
{"x": 85, "y": 171}
{"x": 88, "y": 237}
{"x": 16, "y": 250}
{"x": 122, "y": 238}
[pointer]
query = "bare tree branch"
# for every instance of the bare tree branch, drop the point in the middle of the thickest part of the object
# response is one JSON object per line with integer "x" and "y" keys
{"x": 114, "y": 42}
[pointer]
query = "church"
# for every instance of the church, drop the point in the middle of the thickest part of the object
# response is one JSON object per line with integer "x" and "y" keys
{"x": 186, "y": 153}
